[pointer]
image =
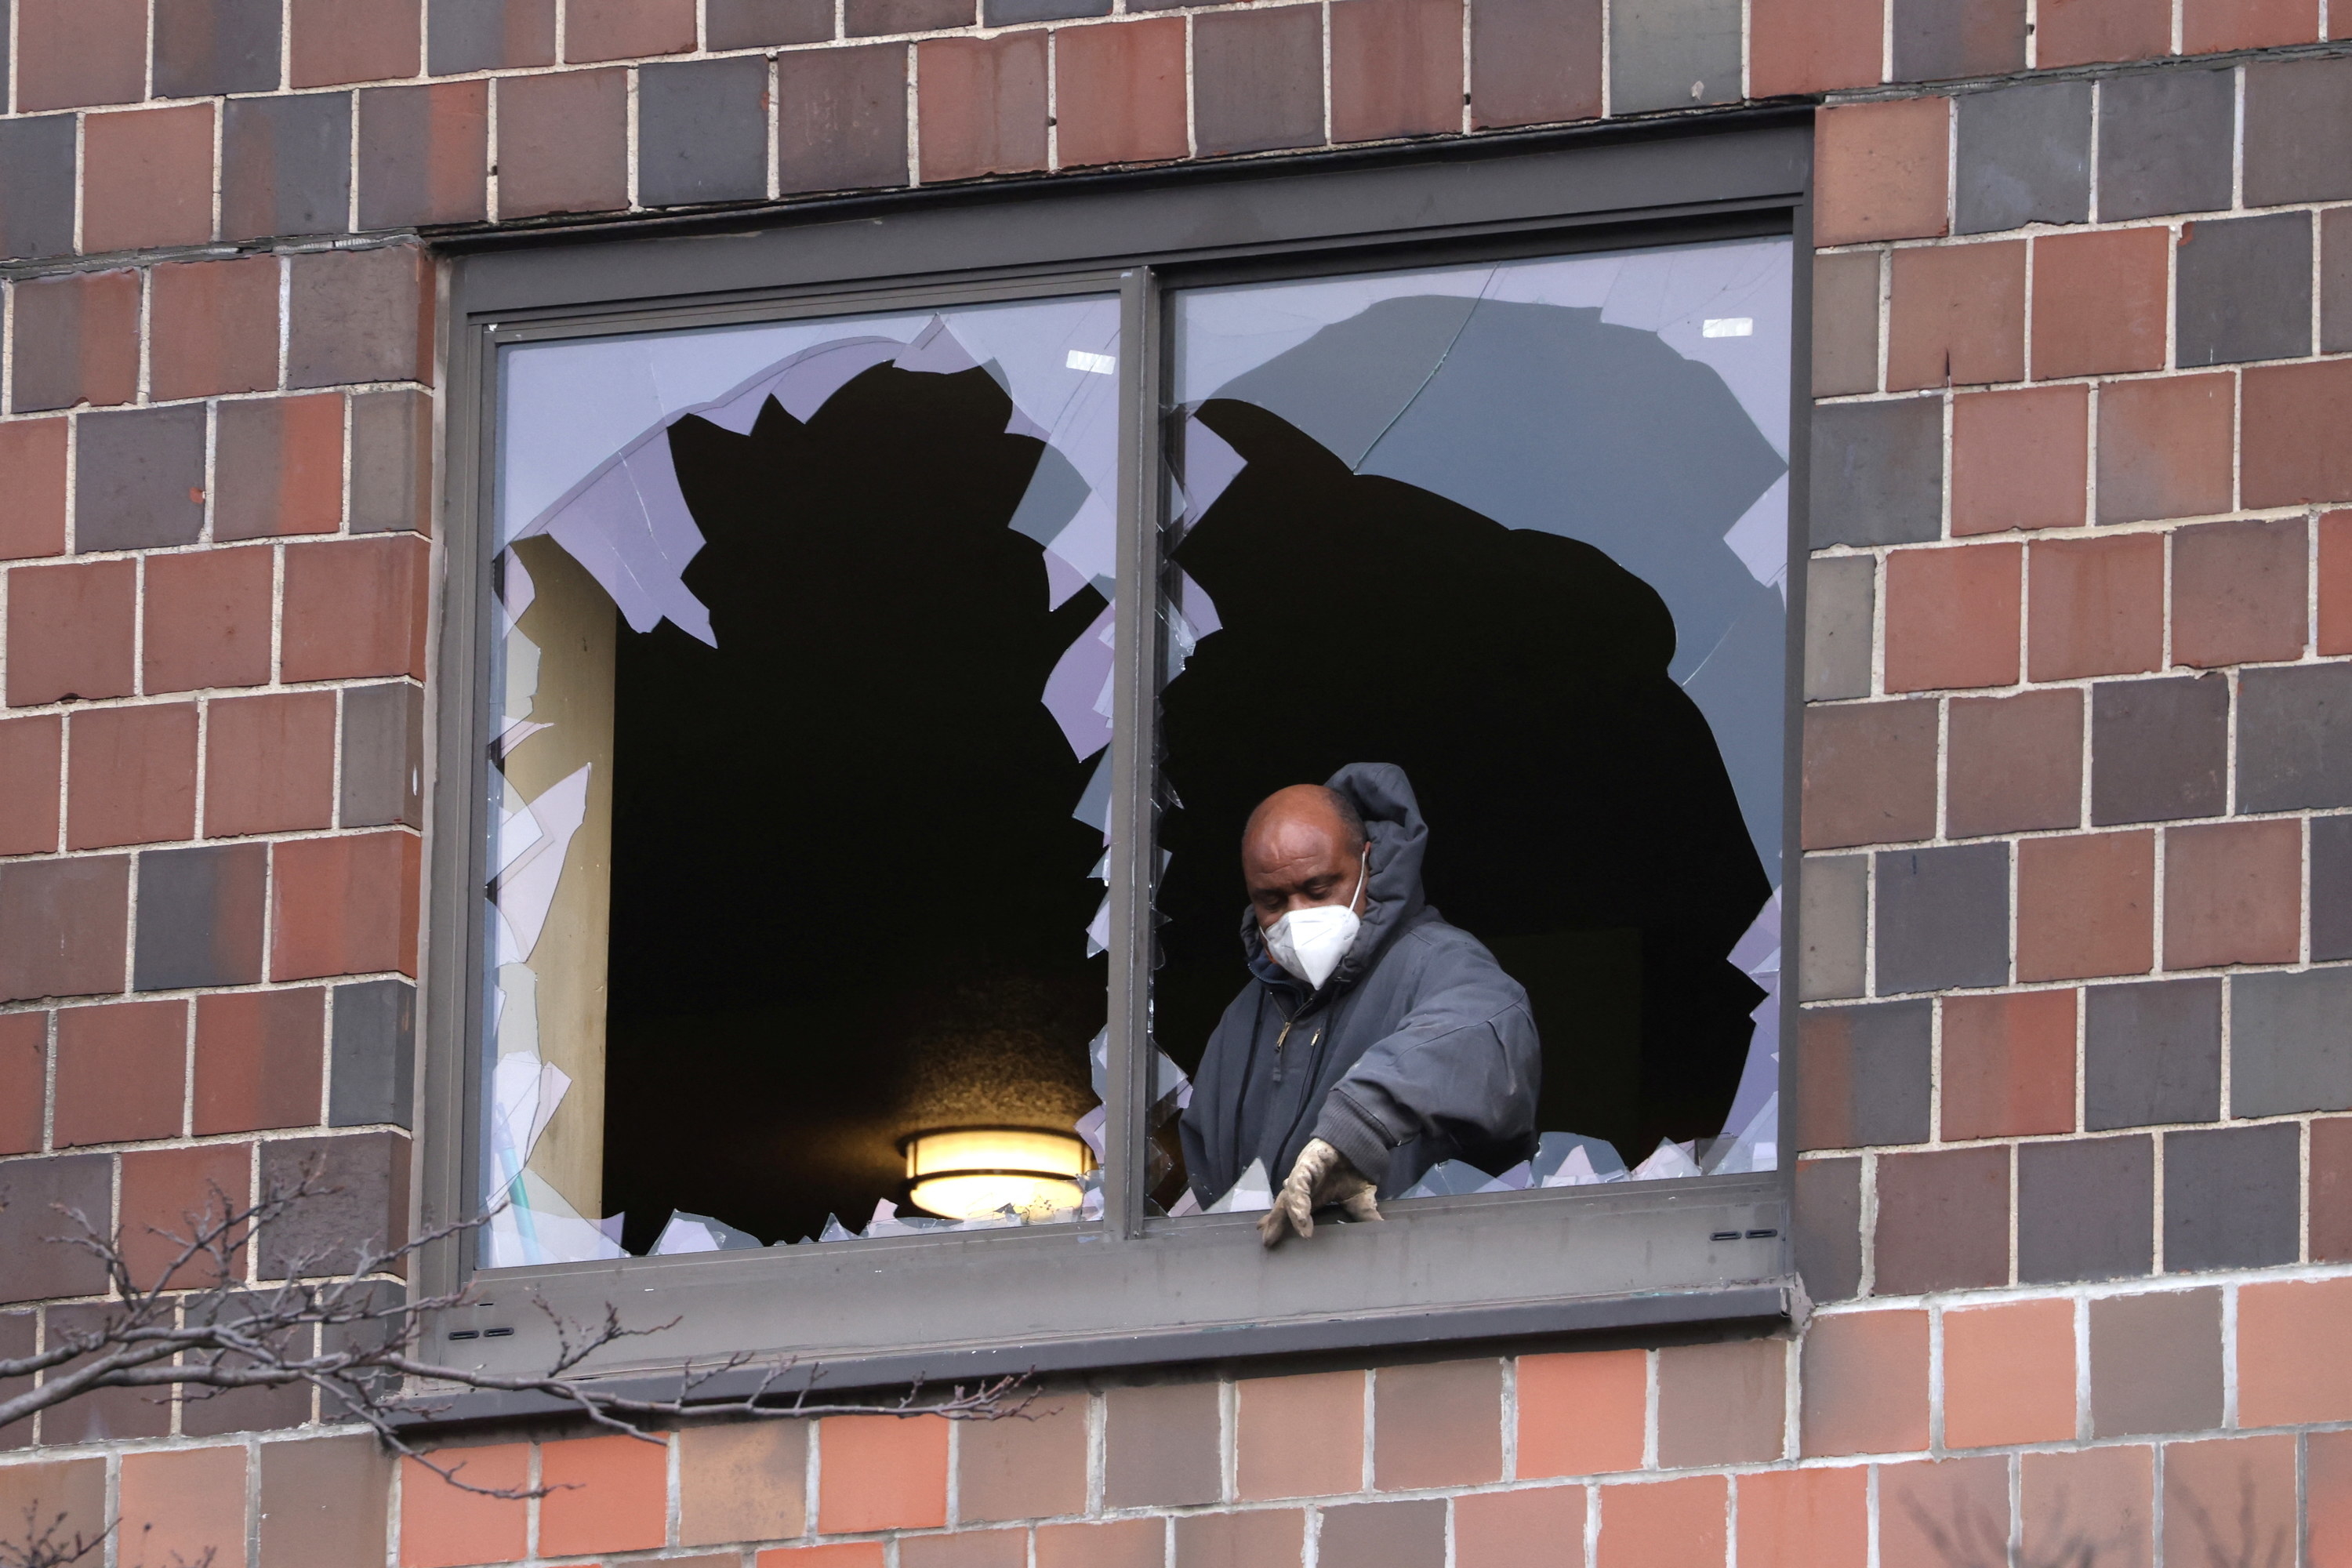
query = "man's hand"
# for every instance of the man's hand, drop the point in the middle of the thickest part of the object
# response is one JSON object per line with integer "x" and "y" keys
{"x": 1322, "y": 1176}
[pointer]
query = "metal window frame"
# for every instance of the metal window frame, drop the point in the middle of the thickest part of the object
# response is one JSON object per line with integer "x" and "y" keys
{"x": 1126, "y": 1291}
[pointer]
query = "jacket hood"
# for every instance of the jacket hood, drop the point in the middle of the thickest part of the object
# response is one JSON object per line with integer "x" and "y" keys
{"x": 1383, "y": 796}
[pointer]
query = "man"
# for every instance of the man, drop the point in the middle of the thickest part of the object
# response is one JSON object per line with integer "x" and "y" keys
{"x": 1373, "y": 1039}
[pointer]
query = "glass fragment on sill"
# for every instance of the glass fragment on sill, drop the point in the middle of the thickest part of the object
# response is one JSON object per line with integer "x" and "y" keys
{"x": 686, "y": 1231}
{"x": 1251, "y": 1194}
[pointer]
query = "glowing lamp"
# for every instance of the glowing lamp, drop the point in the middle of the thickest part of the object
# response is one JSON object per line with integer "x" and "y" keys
{"x": 968, "y": 1172}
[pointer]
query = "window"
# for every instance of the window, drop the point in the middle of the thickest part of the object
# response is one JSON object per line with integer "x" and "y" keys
{"x": 880, "y": 644}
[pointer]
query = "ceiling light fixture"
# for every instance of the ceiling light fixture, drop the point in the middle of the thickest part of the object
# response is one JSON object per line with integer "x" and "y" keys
{"x": 970, "y": 1173}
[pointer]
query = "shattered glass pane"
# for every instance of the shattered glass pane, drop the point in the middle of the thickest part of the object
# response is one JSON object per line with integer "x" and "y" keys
{"x": 802, "y": 690}
{"x": 1519, "y": 530}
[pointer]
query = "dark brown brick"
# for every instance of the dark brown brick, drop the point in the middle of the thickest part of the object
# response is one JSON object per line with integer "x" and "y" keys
{"x": 260, "y": 1056}
{"x": 2165, "y": 448}
{"x": 70, "y": 631}
{"x": 74, "y": 53}
{"x": 489, "y": 35}
{"x": 2023, "y": 152}
{"x": 362, "y": 1202}
{"x": 200, "y": 914}
{"x": 208, "y": 615}
{"x": 37, "y": 185}
{"x": 2084, "y": 32}
{"x": 375, "y": 1061}
{"x": 1534, "y": 62}
{"x": 755, "y": 24}
{"x": 278, "y": 467}
{"x": 2007, "y": 1065}
{"x": 1804, "y": 45}
{"x": 362, "y": 315}
{"x": 2013, "y": 764}
{"x": 206, "y": 47}
{"x": 75, "y": 340}
{"x": 104, "y": 1414}
{"x": 2242, "y": 288}
{"x": 1396, "y": 69}
{"x": 1866, "y": 1376}
{"x": 2096, "y": 607}
{"x": 2085, "y": 905}
{"x": 1841, "y": 611}
{"x": 1878, "y": 473}
{"x": 1161, "y": 1444}
{"x": 32, "y": 764}
{"x": 120, "y": 1069}
{"x": 2232, "y": 894}
{"x": 841, "y": 118}
{"x": 2232, "y": 1197}
{"x": 2290, "y": 414}
{"x": 1276, "y": 1537}
{"x": 344, "y": 905}
{"x": 383, "y": 756}
{"x": 139, "y": 478}
{"x": 1955, "y": 315}
{"x": 147, "y": 178}
{"x": 627, "y": 29}
{"x": 2335, "y": 277}
{"x": 2020, "y": 459}
{"x": 2099, "y": 301}
{"x": 337, "y": 41}
{"x": 130, "y": 775}
{"x": 2286, "y": 1056}
{"x": 1827, "y": 1237}
{"x": 2086, "y": 1209}
{"x": 32, "y": 476}
{"x": 1942, "y": 917}
{"x": 170, "y": 1196}
{"x": 2151, "y": 1053}
{"x": 392, "y": 462}
{"x": 1722, "y": 1403}
{"x": 702, "y": 131}
{"x": 2155, "y": 1363}
{"x": 1937, "y": 40}
{"x": 1864, "y": 1076}
{"x": 1439, "y": 1425}
{"x": 981, "y": 109}
{"x": 2294, "y": 737}
{"x": 322, "y": 1500}
{"x": 285, "y": 165}
{"x": 38, "y": 1264}
{"x": 1386, "y": 1534}
{"x": 1118, "y": 92}
{"x": 2298, "y": 132}
{"x": 1869, "y": 774}
{"x": 564, "y": 143}
{"x": 1845, "y": 322}
{"x": 269, "y": 763}
{"x": 24, "y": 1087}
{"x": 873, "y": 18}
{"x": 63, "y": 926}
{"x": 2164, "y": 140}
{"x": 213, "y": 327}
{"x": 356, "y": 608}
{"x": 2158, "y": 748}
{"x": 1943, "y": 1221}
{"x": 2239, "y": 592}
{"x": 1037, "y": 1472}
{"x": 2331, "y": 1189}
{"x": 1257, "y": 80}
{"x": 2331, "y": 888}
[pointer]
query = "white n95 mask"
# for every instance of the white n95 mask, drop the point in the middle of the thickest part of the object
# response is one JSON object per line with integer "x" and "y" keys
{"x": 1310, "y": 943}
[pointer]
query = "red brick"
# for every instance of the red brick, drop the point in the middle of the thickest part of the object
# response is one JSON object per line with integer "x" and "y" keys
{"x": 742, "y": 1481}
{"x": 1722, "y": 1403}
{"x": 1662, "y": 1524}
{"x": 2013, "y": 764}
{"x": 1879, "y": 170}
{"x": 355, "y": 608}
{"x": 441, "y": 1525}
{"x": 2208, "y": 26}
{"x": 2294, "y": 421}
{"x": 627, "y": 29}
{"x": 76, "y": 341}
{"x": 1118, "y": 92}
{"x": 1116, "y": 1543}
{"x": 1951, "y": 1510}
{"x": 1943, "y": 1221}
{"x": 837, "y": 1555}
{"x": 1866, "y": 1384}
{"x": 1298, "y": 1436}
{"x": 208, "y": 615}
{"x": 2096, "y": 607}
{"x": 2334, "y": 630}
{"x": 269, "y": 763}
{"x": 1035, "y": 1468}
{"x": 278, "y": 466}
{"x": 2331, "y": 1189}
{"x": 63, "y": 927}
{"x": 360, "y": 315}
{"x": 2020, "y": 459}
{"x": 612, "y": 1495}
{"x": 186, "y": 1505}
{"x": 2099, "y": 301}
{"x": 1439, "y": 1425}
{"x": 2009, "y": 1374}
{"x": 2093, "y": 1500}
{"x": 69, "y": 631}
{"x": 2086, "y": 905}
{"x": 130, "y": 775}
{"x": 1869, "y": 774}
{"x": 31, "y": 767}
{"x": 169, "y": 1197}
{"x": 344, "y": 905}
{"x": 1951, "y": 618}
{"x": 2328, "y": 1498}
{"x": 147, "y": 178}
{"x": 424, "y": 155}
{"x": 1510, "y": 1530}
{"x": 981, "y": 109}
{"x": 881, "y": 1472}
{"x": 24, "y": 1081}
{"x": 73, "y": 1492}
{"x": 2239, "y": 592}
{"x": 214, "y": 327}
{"x": 1534, "y": 62}
{"x": 330, "y": 42}
{"x": 259, "y": 1059}
{"x": 1261, "y": 1538}
{"x": 1805, "y": 1519}
{"x": 32, "y": 476}
{"x": 2165, "y": 448}
{"x": 74, "y": 53}
{"x": 562, "y": 142}
{"x": 2231, "y": 1500}
{"x": 1810, "y": 46}
{"x": 1957, "y": 315}
{"x": 2080, "y": 32}
{"x": 2281, "y": 1381}
{"x": 1582, "y": 1413}
{"x": 1396, "y": 69}
{"x": 120, "y": 1068}
{"x": 2009, "y": 1065}
{"x": 2232, "y": 894}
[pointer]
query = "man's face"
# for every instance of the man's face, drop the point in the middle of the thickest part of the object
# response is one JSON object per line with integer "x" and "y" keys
{"x": 1297, "y": 855}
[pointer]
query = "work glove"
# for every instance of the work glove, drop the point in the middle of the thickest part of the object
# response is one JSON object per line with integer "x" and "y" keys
{"x": 1322, "y": 1176}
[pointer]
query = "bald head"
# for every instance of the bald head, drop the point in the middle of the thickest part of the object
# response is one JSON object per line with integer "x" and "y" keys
{"x": 1304, "y": 846}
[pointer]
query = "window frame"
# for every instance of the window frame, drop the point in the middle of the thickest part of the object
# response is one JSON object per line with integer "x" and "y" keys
{"x": 1126, "y": 1291}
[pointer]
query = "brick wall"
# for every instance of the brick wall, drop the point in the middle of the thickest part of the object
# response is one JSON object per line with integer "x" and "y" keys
{"x": 2078, "y": 750}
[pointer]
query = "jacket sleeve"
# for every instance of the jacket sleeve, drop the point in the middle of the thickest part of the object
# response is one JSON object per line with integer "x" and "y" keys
{"x": 1464, "y": 1065}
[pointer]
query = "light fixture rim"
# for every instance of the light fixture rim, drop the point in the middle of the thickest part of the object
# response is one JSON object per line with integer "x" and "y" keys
{"x": 907, "y": 1141}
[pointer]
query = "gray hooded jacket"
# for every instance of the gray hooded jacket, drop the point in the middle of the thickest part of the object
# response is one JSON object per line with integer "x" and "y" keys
{"x": 1418, "y": 1048}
